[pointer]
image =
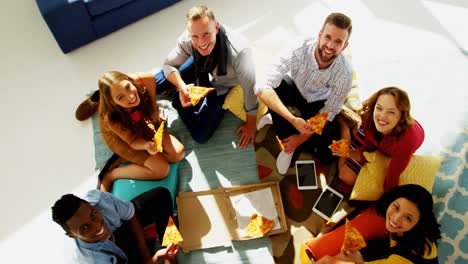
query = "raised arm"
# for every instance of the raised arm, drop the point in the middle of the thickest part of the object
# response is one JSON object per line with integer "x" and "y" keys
{"x": 178, "y": 56}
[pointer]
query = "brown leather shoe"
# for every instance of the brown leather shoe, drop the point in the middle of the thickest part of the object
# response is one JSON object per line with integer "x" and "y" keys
{"x": 88, "y": 107}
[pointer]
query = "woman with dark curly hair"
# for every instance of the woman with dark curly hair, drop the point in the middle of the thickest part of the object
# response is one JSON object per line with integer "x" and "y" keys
{"x": 386, "y": 126}
{"x": 406, "y": 213}
{"x": 129, "y": 116}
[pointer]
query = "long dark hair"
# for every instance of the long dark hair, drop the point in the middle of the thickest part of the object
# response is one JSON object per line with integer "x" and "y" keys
{"x": 117, "y": 114}
{"x": 402, "y": 102}
{"x": 426, "y": 231}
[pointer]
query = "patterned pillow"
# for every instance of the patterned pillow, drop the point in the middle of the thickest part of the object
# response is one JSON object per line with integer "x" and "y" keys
{"x": 370, "y": 180}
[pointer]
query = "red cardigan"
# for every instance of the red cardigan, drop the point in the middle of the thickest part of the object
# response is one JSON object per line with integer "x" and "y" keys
{"x": 400, "y": 149}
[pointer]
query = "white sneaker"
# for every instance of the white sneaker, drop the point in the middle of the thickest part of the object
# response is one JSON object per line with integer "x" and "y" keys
{"x": 264, "y": 120}
{"x": 283, "y": 161}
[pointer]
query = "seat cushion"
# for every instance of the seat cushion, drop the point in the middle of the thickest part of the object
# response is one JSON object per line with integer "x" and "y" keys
{"x": 369, "y": 184}
{"x": 128, "y": 189}
{"x": 98, "y": 7}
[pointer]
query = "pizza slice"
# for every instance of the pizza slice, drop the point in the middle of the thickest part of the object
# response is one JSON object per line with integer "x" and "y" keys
{"x": 280, "y": 144}
{"x": 258, "y": 226}
{"x": 341, "y": 146}
{"x": 318, "y": 122}
{"x": 353, "y": 240}
{"x": 158, "y": 137}
{"x": 172, "y": 234}
{"x": 197, "y": 93}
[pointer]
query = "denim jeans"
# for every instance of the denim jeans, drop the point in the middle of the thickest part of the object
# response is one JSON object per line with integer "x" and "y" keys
{"x": 203, "y": 119}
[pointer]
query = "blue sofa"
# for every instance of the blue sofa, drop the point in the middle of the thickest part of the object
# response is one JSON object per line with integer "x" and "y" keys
{"x": 74, "y": 23}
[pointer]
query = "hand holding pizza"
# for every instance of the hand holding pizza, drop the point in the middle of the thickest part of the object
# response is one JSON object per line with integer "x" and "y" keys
{"x": 151, "y": 148}
{"x": 318, "y": 122}
{"x": 172, "y": 234}
{"x": 158, "y": 137}
{"x": 340, "y": 148}
{"x": 184, "y": 96}
{"x": 169, "y": 253}
{"x": 197, "y": 93}
{"x": 157, "y": 145}
{"x": 353, "y": 240}
{"x": 302, "y": 126}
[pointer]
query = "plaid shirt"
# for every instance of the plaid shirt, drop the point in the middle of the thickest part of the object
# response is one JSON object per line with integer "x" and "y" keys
{"x": 331, "y": 84}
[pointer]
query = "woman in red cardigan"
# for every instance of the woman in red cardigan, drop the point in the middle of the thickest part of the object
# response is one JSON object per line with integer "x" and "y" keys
{"x": 386, "y": 126}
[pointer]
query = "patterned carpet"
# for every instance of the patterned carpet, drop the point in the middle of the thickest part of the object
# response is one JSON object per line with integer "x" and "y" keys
{"x": 206, "y": 166}
{"x": 450, "y": 194}
{"x": 302, "y": 222}
{"x": 451, "y": 199}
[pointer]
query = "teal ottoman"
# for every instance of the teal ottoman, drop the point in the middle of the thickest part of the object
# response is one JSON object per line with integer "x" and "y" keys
{"x": 128, "y": 189}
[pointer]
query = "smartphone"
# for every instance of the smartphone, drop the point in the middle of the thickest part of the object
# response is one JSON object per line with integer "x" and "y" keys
{"x": 306, "y": 175}
{"x": 327, "y": 203}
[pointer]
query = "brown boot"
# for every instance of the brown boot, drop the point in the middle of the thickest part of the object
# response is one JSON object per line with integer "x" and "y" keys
{"x": 88, "y": 107}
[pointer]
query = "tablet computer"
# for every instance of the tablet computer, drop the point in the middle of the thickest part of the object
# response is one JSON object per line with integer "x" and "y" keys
{"x": 306, "y": 175}
{"x": 327, "y": 203}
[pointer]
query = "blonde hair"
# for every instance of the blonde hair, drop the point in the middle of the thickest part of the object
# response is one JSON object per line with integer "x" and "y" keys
{"x": 198, "y": 12}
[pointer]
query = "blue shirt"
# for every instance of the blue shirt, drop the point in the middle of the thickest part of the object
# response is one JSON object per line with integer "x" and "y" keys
{"x": 114, "y": 211}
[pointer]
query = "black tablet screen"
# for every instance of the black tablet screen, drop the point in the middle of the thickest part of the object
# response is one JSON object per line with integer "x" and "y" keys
{"x": 328, "y": 202}
{"x": 306, "y": 174}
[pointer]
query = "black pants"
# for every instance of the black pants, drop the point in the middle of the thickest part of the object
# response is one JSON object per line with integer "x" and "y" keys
{"x": 317, "y": 144}
{"x": 151, "y": 207}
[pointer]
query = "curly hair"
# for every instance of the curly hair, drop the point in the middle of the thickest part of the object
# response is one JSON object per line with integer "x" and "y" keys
{"x": 64, "y": 209}
{"x": 402, "y": 102}
{"x": 427, "y": 230}
{"x": 117, "y": 114}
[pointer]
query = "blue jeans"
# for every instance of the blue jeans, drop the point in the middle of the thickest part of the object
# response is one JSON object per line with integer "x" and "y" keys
{"x": 203, "y": 119}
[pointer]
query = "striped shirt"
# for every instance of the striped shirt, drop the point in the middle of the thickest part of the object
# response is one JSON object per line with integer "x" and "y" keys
{"x": 331, "y": 84}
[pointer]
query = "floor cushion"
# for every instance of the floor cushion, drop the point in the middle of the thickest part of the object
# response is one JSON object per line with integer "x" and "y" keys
{"x": 369, "y": 184}
{"x": 128, "y": 189}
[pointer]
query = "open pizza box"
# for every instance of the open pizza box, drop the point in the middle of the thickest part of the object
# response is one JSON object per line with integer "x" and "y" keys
{"x": 215, "y": 218}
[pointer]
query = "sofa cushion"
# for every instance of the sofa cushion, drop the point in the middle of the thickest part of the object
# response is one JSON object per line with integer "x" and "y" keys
{"x": 97, "y": 7}
{"x": 369, "y": 184}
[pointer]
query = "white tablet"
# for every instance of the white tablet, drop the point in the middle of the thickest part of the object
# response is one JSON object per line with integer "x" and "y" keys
{"x": 327, "y": 203}
{"x": 306, "y": 175}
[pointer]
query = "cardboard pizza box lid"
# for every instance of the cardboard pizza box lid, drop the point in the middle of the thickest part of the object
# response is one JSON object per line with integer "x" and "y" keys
{"x": 214, "y": 218}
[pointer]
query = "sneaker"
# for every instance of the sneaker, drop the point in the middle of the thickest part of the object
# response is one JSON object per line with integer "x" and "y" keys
{"x": 264, "y": 120}
{"x": 283, "y": 162}
{"x": 88, "y": 107}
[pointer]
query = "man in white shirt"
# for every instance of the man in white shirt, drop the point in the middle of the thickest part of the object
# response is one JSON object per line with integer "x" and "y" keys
{"x": 314, "y": 77}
